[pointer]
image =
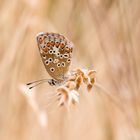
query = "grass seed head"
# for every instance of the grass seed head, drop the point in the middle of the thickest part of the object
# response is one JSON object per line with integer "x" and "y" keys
{"x": 68, "y": 92}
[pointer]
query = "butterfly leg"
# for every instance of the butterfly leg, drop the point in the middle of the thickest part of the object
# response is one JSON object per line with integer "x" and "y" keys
{"x": 54, "y": 82}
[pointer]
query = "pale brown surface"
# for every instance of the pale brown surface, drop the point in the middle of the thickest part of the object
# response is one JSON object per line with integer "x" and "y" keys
{"x": 106, "y": 34}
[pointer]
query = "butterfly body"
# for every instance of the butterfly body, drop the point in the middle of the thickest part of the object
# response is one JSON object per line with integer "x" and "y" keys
{"x": 55, "y": 51}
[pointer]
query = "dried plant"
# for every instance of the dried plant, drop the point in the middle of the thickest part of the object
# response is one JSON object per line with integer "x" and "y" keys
{"x": 68, "y": 92}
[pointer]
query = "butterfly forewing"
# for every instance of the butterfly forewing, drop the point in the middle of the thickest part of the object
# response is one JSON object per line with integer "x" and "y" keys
{"x": 55, "y": 51}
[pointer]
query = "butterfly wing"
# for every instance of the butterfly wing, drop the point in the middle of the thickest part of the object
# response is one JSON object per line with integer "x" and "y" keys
{"x": 55, "y": 51}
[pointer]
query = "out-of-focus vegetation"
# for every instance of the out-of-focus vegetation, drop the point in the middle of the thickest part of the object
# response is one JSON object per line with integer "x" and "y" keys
{"x": 106, "y": 37}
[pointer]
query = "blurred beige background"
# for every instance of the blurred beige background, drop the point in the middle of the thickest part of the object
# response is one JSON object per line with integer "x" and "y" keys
{"x": 106, "y": 37}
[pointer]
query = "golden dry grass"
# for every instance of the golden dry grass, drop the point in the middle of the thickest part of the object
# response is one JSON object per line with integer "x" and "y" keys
{"x": 106, "y": 37}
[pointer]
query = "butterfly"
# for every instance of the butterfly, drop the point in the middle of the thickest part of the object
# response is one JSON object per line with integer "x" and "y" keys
{"x": 56, "y": 53}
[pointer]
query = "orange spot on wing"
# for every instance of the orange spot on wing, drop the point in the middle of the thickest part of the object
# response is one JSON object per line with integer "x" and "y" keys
{"x": 40, "y": 41}
{"x": 46, "y": 50}
{"x": 57, "y": 44}
{"x": 67, "y": 50}
{"x": 48, "y": 44}
{"x": 71, "y": 50}
{"x": 52, "y": 43}
{"x": 61, "y": 45}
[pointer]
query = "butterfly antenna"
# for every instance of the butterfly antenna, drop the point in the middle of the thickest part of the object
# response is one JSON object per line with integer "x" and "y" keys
{"x": 36, "y": 83}
{"x": 42, "y": 80}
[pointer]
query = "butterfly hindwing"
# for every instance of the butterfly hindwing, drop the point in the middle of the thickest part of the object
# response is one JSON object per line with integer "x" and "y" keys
{"x": 55, "y": 51}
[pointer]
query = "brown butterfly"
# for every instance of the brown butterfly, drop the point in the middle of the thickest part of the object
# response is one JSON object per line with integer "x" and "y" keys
{"x": 55, "y": 51}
